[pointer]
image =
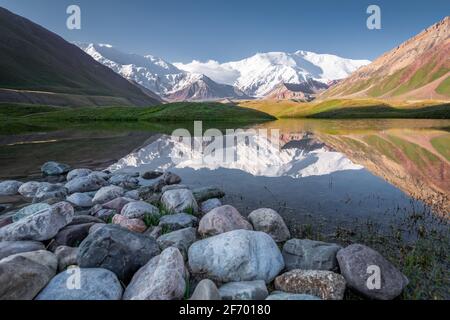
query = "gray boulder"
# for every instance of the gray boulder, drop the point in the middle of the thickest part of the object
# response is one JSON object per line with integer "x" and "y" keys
{"x": 71, "y": 236}
{"x": 181, "y": 239}
{"x": 270, "y": 222}
{"x": 244, "y": 290}
{"x": 88, "y": 183}
{"x": 162, "y": 278}
{"x": 150, "y": 175}
{"x": 279, "y": 295}
{"x": 125, "y": 181}
{"x": 170, "y": 178}
{"x": 8, "y": 248}
{"x": 239, "y": 255}
{"x": 67, "y": 256}
{"x": 81, "y": 200}
{"x": 48, "y": 191}
{"x": 22, "y": 277}
{"x": 358, "y": 265}
{"x": 206, "y": 290}
{"x": 326, "y": 285}
{"x": 179, "y": 200}
{"x": 9, "y": 188}
{"x": 53, "y": 168}
{"x": 77, "y": 173}
{"x": 95, "y": 284}
{"x": 310, "y": 255}
{"x": 138, "y": 210}
{"x": 132, "y": 194}
{"x": 41, "y": 226}
{"x": 173, "y": 187}
{"x": 117, "y": 204}
{"x": 30, "y": 210}
{"x": 206, "y": 193}
{"x": 177, "y": 221}
{"x": 108, "y": 193}
{"x": 82, "y": 219}
{"x": 29, "y": 189}
{"x": 221, "y": 220}
{"x": 210, "y": 204}
{"x": 117, "y": 249}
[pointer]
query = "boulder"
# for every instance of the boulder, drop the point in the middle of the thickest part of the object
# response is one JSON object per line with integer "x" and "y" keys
{"x": 326, "y": 285}
{"x": 132, "y": 194}
{"x": 8, "y": 248}
{"x": 179, "y": 200}
{"x": 41, "y": 226}
{"x": 43, "y": 257}
{"x": 210, "y": 204}
{"x": 82, "y": 219}
{"x": 173, "y": 187}
{"x": 139, "y": 209}
{"x": 310, "y": 255}
{"x": 279, "y": 295}
{"x": 206, "y": 193}
{"x": 239, "y": 255}
{"x": 88, "y": 183}
{"x": 9, "y": 188}
{"x": 358, "y": 265}
{"x": 67, "y": 256}
{"x": 181, "y": 239}
{"x": 78, "y": 173}
{"x": 48, "y": 191}
{"x": 94, "y": 284}
{"x": 135, "y": 225}
{"x": 270, "y": 222}
{"x": 96, "y": 226}
{"x": 150, "y": 175}
{"x": 29, "y": 211}
{"x": 221, "y": 220}
{"x": 22, "y": 278}
{"x": 117, "y": 249}
{"x": 162, "y": 278}
{"x": 171, "y": 178}
{"x": 154, "y": 232}
{"x": 177, "y": 221}
{"x": 81, "y": 200}
{"x": 29, "y": 189}
{"x": 108, "y": 193}
{"x": 71, "y": 236}
{"x": 244, "y": 290}
{"x": 206, "y": 290}
{"x": 117, "y": 204}
{"x": 125, "y": 181}
{"x": 53, "y": 168}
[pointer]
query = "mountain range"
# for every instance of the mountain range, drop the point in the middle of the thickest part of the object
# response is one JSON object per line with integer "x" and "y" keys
{"x": 254, "y": 77}
{"x": 417, "y": 69}
{"x": 37, "y": 66}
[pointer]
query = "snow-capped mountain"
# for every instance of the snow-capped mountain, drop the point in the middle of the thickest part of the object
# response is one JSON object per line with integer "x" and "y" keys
{"x": 257, "y": 156}
{"x": 260, "y": 74}
{"x": 160, "y": 76}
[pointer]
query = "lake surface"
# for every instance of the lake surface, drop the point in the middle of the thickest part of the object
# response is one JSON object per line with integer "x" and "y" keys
{"x": 311, "y": 171}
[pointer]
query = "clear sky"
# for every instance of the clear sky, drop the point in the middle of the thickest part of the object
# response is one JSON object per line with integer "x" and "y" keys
{"x": 225, "y": 30}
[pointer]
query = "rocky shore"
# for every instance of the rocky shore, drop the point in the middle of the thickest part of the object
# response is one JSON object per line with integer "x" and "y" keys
{"x": 97, "y": 235}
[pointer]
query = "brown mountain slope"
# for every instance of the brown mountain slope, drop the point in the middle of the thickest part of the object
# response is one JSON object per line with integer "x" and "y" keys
{"x": 304, "y": 91}
{"x": 417, "y": 69}
{"x": 38, "y": 66}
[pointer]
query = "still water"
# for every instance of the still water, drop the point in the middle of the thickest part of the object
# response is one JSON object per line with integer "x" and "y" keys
{"x": 318, "y": 170}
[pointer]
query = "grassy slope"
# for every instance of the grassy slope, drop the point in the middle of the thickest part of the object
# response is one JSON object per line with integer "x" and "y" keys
{"x": 21, "y": 118}
{"x": 347, "y": 108}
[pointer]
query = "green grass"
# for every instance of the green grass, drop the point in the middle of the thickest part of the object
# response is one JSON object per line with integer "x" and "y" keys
{"x": 17, "y": 118}
{"x": 444, "y": 87}
{"x": 352, "y": 109}
{"x": 442, "y": 145}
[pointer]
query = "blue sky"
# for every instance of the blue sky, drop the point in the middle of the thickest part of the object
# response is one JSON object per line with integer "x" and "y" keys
{"x": 183, "y": 30}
